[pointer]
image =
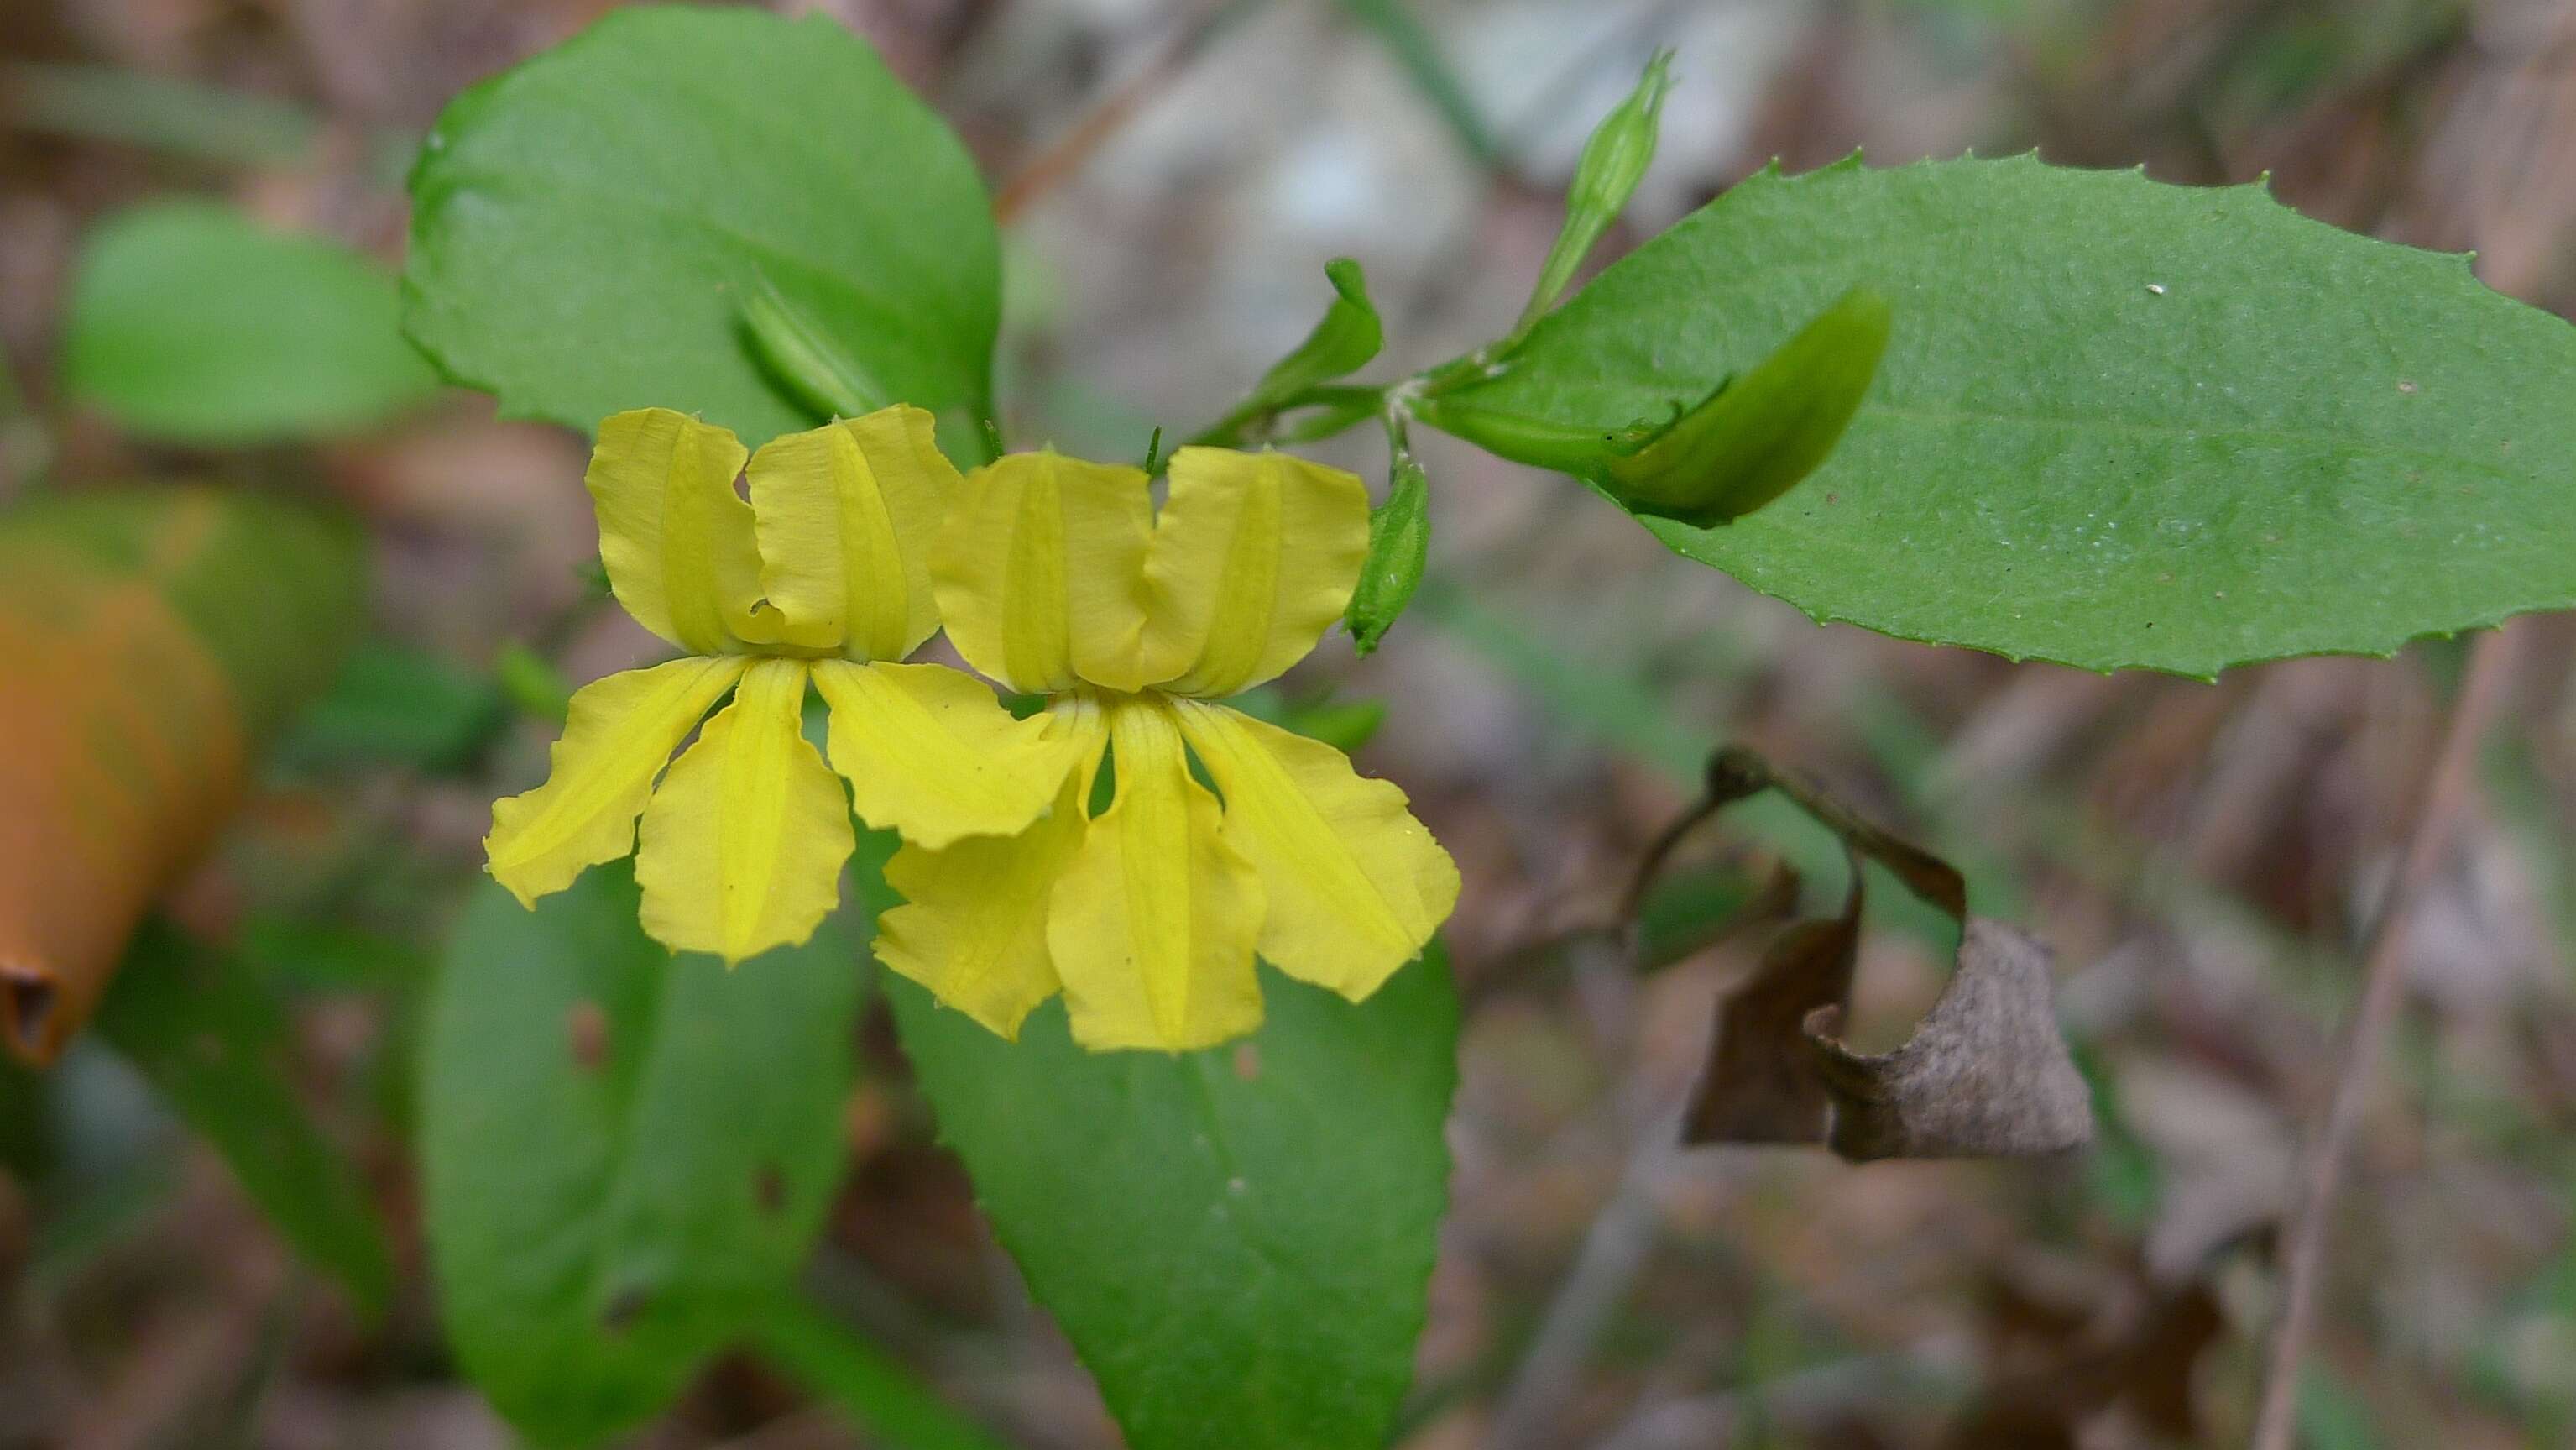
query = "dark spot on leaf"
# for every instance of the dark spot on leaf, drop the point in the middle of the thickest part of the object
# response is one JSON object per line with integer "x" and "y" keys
{"x": 586, "y": 1032}
{"x": 769, "y": 1189}
{"x": 29, "y": 1009}
{"x": 1247, "y": 1061}
{"x": 625, "y": 1307}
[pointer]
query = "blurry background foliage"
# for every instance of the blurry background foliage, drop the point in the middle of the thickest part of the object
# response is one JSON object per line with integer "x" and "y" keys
{"x": 564, "y": 1188}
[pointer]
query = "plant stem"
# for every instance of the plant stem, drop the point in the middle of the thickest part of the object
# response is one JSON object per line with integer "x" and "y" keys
{"x": 2428, "y": 837}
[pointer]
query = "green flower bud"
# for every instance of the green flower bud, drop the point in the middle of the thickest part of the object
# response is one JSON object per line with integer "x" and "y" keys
{"x": 802, "y": 357}
{"x": 1614, "y": 161}
{"x": 1399, "y": 543}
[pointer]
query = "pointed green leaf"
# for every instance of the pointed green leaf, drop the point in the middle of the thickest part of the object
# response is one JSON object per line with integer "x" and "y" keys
{"x": 588, "y": 226}
{"x": 191, "y": 323}
{"x": 2118, "y": 423}
{"x": 1237, "y": 1241}
{"x": 625, "y": 1157}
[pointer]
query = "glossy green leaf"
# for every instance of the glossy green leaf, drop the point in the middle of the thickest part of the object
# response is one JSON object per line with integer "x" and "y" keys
{"x": 588, "y": 226}
{"x": 1237, "y": 1241}
{"x": 206, "y": 1037}
{"x": 2118, "y": 423}
{"x": 190, "y": 323}
{"x": 625, "y": 1157}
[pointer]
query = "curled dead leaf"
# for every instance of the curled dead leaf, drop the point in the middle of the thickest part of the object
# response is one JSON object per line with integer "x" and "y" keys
{"x": 1985, "y": 1075}
{"x": 1753, "y": 1090}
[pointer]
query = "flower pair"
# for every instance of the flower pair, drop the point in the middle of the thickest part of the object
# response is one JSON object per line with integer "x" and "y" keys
{"x": 1073, "y": 851}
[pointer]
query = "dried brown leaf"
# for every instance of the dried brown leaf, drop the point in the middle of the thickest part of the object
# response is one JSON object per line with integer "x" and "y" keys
{"x": 1761, "y": 1084}
{"x": 1985, "y": 1074}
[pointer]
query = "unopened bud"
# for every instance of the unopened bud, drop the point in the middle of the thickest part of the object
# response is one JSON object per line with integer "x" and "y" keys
{"x": 1399, "y": 544}
{"x": 1614, "y": 161}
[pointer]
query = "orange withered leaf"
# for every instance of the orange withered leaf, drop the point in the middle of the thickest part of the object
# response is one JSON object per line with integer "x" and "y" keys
{"x": 148, "y": 640}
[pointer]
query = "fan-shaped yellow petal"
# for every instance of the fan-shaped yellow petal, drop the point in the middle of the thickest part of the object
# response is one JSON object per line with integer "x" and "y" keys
{"x": 621, "y": 733}
{"x": 1152, "y": 925}
{"x": 675, "y": 536}
{"x": 1253, "y": 559}
{"x": 741, "y": 848}
{"x": 846, "y": 517}
{"x": 973, "y": 924}
{"x": 929, "y": 752}
{"x": 1355, "y": 884}
{"x": 1039, "y": 571}
{"x": 974, "y": 920}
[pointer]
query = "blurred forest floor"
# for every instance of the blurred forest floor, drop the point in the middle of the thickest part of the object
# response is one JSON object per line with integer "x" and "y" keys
{"x": 2202, "y": 856}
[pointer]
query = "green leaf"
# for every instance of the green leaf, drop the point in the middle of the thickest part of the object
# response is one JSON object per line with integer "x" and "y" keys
{"x": 190, "y": 323}
{"x": 877, "y": 1393}
{"x": 587, "y": 227}
{"x": 1237, "y": 1241}
{"x": 2118, "y": 423}
{"x": 625, "y": 1157}
{"x": 206, "y": 1037}
{"x": 395, "y": 703}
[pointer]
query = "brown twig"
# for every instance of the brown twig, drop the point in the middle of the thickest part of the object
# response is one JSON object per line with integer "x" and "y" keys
{"x": 2427, "y": 838}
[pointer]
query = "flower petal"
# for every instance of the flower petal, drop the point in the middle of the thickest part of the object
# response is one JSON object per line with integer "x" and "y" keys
{"x": 929, "y": 752}
{"x": 1152, "y": 926}
{"x": 973, "y": 926}
{"x": 675, "y": 536}
{"x": 846, "y": 516}
{"x": 621, "y": 733}
{"x": 1253, "y": 559}
{"x": 1355, "y": 884}
{"x": 1039, "y": 571}
{"x": 741, "y": 849}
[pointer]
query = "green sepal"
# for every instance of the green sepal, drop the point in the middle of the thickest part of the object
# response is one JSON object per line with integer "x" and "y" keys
{"x": 1754, "y": 438}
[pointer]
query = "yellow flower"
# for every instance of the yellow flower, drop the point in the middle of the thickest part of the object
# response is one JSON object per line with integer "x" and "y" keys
{"x": 818, "y": 578}
{"x": 1055, "y": 577}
